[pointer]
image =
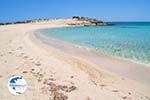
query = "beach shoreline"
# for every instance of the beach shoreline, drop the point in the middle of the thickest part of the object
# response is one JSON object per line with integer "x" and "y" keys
{"x": 120, "y": 66}
{"x": 46, "y": 67}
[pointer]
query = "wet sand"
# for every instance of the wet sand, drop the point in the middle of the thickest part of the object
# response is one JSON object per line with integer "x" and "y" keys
{"x": 125, "y": 68}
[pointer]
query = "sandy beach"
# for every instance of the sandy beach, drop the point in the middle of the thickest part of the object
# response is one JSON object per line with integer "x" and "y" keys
{"x": 53, "y": 74}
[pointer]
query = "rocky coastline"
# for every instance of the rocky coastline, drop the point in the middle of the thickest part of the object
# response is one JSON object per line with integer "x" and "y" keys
{"x": 85, "y": 21}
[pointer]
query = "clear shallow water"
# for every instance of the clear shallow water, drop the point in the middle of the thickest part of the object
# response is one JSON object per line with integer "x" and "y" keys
{"x": 130, "y": 40}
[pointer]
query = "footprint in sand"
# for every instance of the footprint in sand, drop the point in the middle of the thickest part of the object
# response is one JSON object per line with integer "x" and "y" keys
{"x": 52, "y": 79}
{"x": 32, "y": 69}
{"x": 31, "y": 59}
{"x": 24, "y": 72}
{"x": 88, "y": 98}
{"x": 5, "y": 61}
{"x": 102, "y": 85}
{"x": 129, "y": 93}
{"x": 19, "y": 48}
{"x": 25, "y": 57}
{"x": 148, "y": 98}
{"x": 39, "y": 75}
{"x": 71, "y": 77}
{"x": 9, "y": 52}
{"x": 115, "y": 91}
{"x": 125, "y": 97}
{"x": 1, "y": 76}
{"x": 94, "y": 83}
{"x": 38, "y": 64}
{"x": 22, "y": 54}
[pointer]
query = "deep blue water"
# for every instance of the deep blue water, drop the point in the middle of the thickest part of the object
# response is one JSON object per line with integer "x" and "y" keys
{"x": 130, "y": 40}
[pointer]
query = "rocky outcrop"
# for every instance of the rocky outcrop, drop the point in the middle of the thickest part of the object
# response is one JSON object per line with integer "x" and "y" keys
{"x": 85, "y": 21}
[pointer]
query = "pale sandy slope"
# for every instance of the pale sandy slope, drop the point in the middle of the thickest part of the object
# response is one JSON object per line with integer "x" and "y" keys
{"x": 51, "y": 73}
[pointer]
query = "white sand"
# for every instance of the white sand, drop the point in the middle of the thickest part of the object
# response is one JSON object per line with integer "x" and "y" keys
{"x": 20, "y": 52}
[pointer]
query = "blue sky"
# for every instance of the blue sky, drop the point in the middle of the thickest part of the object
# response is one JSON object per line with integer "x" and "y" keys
{"x": 108, "y": 10}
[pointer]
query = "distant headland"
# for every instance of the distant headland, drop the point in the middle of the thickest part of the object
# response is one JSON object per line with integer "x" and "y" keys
{"x": 76, "y": 21}
{"x": 85, "y": 21}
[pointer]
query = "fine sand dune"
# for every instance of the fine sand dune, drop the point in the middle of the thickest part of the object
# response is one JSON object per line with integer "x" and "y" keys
{"x": 52, "y": 74}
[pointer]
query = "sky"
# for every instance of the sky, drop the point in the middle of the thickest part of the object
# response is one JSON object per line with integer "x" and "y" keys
{"x": 107, "y": 10}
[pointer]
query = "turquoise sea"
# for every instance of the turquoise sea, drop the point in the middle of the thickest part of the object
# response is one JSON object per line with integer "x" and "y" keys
{"x": 129, "y": 40}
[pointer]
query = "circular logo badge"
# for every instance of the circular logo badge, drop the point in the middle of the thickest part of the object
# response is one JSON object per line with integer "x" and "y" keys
{"x": 17, "y": 85}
